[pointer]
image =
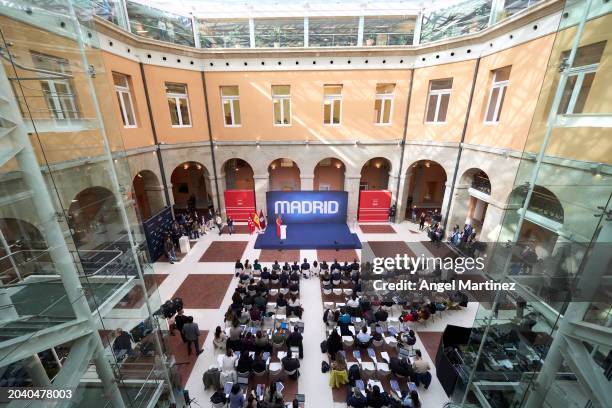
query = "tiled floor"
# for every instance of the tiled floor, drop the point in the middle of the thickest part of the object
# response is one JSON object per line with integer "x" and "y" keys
{"x": 212, "y": 259}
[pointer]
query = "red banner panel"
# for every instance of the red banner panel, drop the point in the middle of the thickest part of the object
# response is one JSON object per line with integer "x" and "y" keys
{"x": 239, "y": 204}
{"x": 374, "y": 205}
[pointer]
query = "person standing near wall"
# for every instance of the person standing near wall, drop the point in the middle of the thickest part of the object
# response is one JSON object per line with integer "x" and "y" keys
{"x": 219, "y": 222}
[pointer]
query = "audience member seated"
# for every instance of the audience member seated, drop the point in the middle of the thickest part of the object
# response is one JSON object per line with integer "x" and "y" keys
{"x": 381, "y": 315}
{"x": 265, "y": 275}
{"x": 245, "y": 363}
{"x": 305, "y": 268}
{"x": 401, "y": 367}
{"x": 295, "y": 340}
{"x": 279, "y": 338}
{"x": 235, "y": 336}
{"x": 363, "y": 339}
{"x": 338, "y": 375}
{"x": 334, "y": 344}
{"x": 255, "y": 315}
{"x": 286, "y": 267}
{"x": 411, "y": 400}
{"x": 259, "y": 364}
{"x": 262, "y": 343}
{"x": 290, "y": 364}
{"x": 421, "y": 370}
{"x": 281, "y": 301}
{"x": 236, "y": 397}
{"x": 276, "y": 266}
{"x": 272, "y": 397}
{"x": 248, "y": 343}
{"x": 260, "y": 302}
{"x": 324, "y": 267}
{"x": 274, "y": 277}
{"x": 295, "y": 267}
{"x": 220, "y": 339}
{"x": 376, "y": 398}
{"x": 353, "y": 306}
{"x": 356, "y": 399}
{"x": 228, "y": 367}
{"x": 294, "y": 306}
{"x": 256, "y": 267}
{"x": 238, "y": 267}
{"x": 335, "y": 266}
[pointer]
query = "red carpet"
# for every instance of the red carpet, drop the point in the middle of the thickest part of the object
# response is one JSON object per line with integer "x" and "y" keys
{"x": 224, "y": 251}
{"x": 377, "y": 229}
{"x": 384, "y": 249}
{"x": 203, "y": 291}
{"x": 431, "y": 341}
{"x": 439, "y": 249}
{"x": 238, "y": 229}
{"x": 286, "y": 255}
{"x": 184, "y": 362}
{"x": 342, "y": 255}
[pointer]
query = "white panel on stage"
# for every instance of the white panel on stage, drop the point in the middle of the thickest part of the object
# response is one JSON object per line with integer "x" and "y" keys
{"x": 283, "y": 229}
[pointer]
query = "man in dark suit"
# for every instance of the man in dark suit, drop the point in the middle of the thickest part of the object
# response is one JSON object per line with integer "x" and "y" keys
{"x": 295, "y": 340}
{"x": 399, "y": 366}
{"x": 291, "y": 363}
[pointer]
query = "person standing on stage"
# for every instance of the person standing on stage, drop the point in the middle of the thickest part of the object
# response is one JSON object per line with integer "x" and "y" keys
{"x": 279, "y": 222}
{"x": 251, "y": 225}
{"x": 262, "y": 220}
{"x": 256, "y": 222}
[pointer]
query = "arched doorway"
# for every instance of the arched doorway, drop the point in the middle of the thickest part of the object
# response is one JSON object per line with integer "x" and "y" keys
{"x": 148, "y": 194}
{"x": 239, "y": 194}
{"x": 238, "y": 175}
{"x": 94, "y": 218}
{"x": 375, "y": 174}
{"x": 284, "y": 175}
{"x": 329, "y": 175}
{"x": 25, "y": 243}
{"x": 472, "y": 201}
{"x": 426, "y": 183}
{"x": 374, "y": 193}
{"x": 191, "y": 188}
{"x": 543, "y": 219}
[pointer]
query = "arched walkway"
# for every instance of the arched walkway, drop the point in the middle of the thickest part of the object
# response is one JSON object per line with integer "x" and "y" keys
{"x": 471, "y": 200}
{"x": 375, "y": 174}
{"x": 329, "y": 175}
{"x": 238, "y": 175}
{"x": 284, "y": 175}
{"x": 94, "y": 218}
{"x": 543, "y": 219}
{"x": 191, "y": 187}
{"x": 148, "y": 194}
{"x": 426, "y": 184}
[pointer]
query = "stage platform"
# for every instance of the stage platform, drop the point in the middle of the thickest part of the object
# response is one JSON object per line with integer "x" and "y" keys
{"x": 309, "y": 236}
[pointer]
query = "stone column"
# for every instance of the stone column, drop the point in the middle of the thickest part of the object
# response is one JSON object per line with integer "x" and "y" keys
{"x": 155, "y": 196}
{"x": 212, "y": 190}
{"x": 262, "y": 181}
{"x": 459, "y": 205}
{"x": 402, "y": 197}
{"x": 306, "y": 182}
{"x": 492, "y": 223}
{"x": 351, "y": 186}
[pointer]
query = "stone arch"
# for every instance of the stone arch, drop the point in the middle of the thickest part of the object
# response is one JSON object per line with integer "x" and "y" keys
{"x": 191, "y": 188}
{"x": 329, "y": 174}
{"x": 238, "y": 174}
{"x": 425, "y": 187}
{"x": 284, "y": 174}
{"x": 375, "y": 174}
{"x": 94, "y": 218}
{"x": 148, "y": 194}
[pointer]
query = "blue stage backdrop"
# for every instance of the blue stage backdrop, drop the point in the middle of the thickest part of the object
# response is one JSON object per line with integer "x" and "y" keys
{"x": 307, "y": 207}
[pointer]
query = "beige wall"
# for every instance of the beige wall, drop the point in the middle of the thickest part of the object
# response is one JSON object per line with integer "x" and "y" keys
{"x": 450, "y": 131}
{"x": 156, "y": 78}
{"x": 142, "y": 135}
{"x": 528, "y": 63}
{"x": 584, "y": 143}
{"x": 357, "y": 122}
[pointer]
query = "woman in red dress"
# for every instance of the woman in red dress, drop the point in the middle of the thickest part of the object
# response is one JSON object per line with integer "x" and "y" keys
{"x": 279, "y": 222}
{"x": 251, "y": 225}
